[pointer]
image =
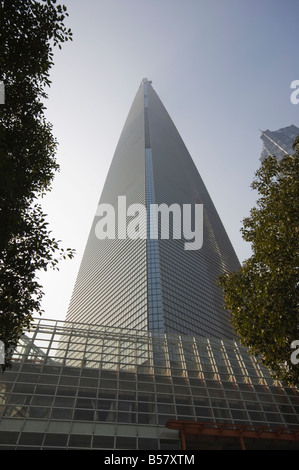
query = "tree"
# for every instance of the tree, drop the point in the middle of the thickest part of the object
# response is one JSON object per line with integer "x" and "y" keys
{"x": 29, "y": 30}
{"x": 262, "y": 295}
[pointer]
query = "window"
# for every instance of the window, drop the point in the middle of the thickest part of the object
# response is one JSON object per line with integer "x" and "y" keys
{"x": 125, "y": 442}
{"x": 103, "y": 442}
{"x": 31, "y": 438}
{"x": 79, "y": 440}
{"x": 150, "y": 444}
{"x": 56, "y": 440}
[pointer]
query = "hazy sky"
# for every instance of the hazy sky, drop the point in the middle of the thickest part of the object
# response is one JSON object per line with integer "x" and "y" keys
{"x": 222, "y": 68}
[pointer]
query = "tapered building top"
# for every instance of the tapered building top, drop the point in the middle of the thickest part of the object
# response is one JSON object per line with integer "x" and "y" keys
{"x": 154, "y": 282}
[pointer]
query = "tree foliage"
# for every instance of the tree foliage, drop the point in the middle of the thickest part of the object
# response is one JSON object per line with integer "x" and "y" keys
{"x": 262, "y": 295}
{"x": 29, "y": 29}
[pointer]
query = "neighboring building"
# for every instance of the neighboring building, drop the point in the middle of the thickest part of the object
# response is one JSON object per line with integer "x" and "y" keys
{"x": 278, "y": 143}
{"x": 154, "y": 284}
{"x": 146, "y": 359}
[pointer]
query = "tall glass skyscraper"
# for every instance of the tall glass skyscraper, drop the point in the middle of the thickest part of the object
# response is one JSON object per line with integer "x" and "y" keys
{"x": 151, "y": 283}
{"x": 146, "y": 359}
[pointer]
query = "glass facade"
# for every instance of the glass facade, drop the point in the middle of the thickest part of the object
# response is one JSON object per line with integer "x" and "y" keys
{"x": 278, "y": 143}
{"x": 111, "y": 286}
{"x": 154, "y": 284}
{"x": 154, "y": 293}
{"x": 192, "y": 301}
{"x": 76, "y": 385}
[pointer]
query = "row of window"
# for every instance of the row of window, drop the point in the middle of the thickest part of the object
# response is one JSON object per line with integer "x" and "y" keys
{"x": 162, "y": 364}
{"x": 142, "y": 418}
{"x": 59, "y": 440}
{"x": 143, "y": 402}
{"x": 109, "y": 379}
{"x": 66, "y": 396}
{"x": 47, "y": 386}
{"x": 120, "y": 353}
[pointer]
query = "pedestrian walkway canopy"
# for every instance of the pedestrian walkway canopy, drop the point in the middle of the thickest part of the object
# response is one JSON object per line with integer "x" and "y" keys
{"x": 203, "y": 430}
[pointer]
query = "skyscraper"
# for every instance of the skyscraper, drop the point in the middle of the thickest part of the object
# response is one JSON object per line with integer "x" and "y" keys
{"x": 126, "y": 376}
{"x": 278, "y": 143}
{"x": 154, "y": 283}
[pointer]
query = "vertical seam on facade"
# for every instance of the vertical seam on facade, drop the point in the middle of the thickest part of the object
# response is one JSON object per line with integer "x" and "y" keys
{"x": 156, "y": 323}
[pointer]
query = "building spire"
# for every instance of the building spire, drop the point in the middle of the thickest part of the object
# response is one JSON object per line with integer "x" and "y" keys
{"x": 145, "y": 80}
